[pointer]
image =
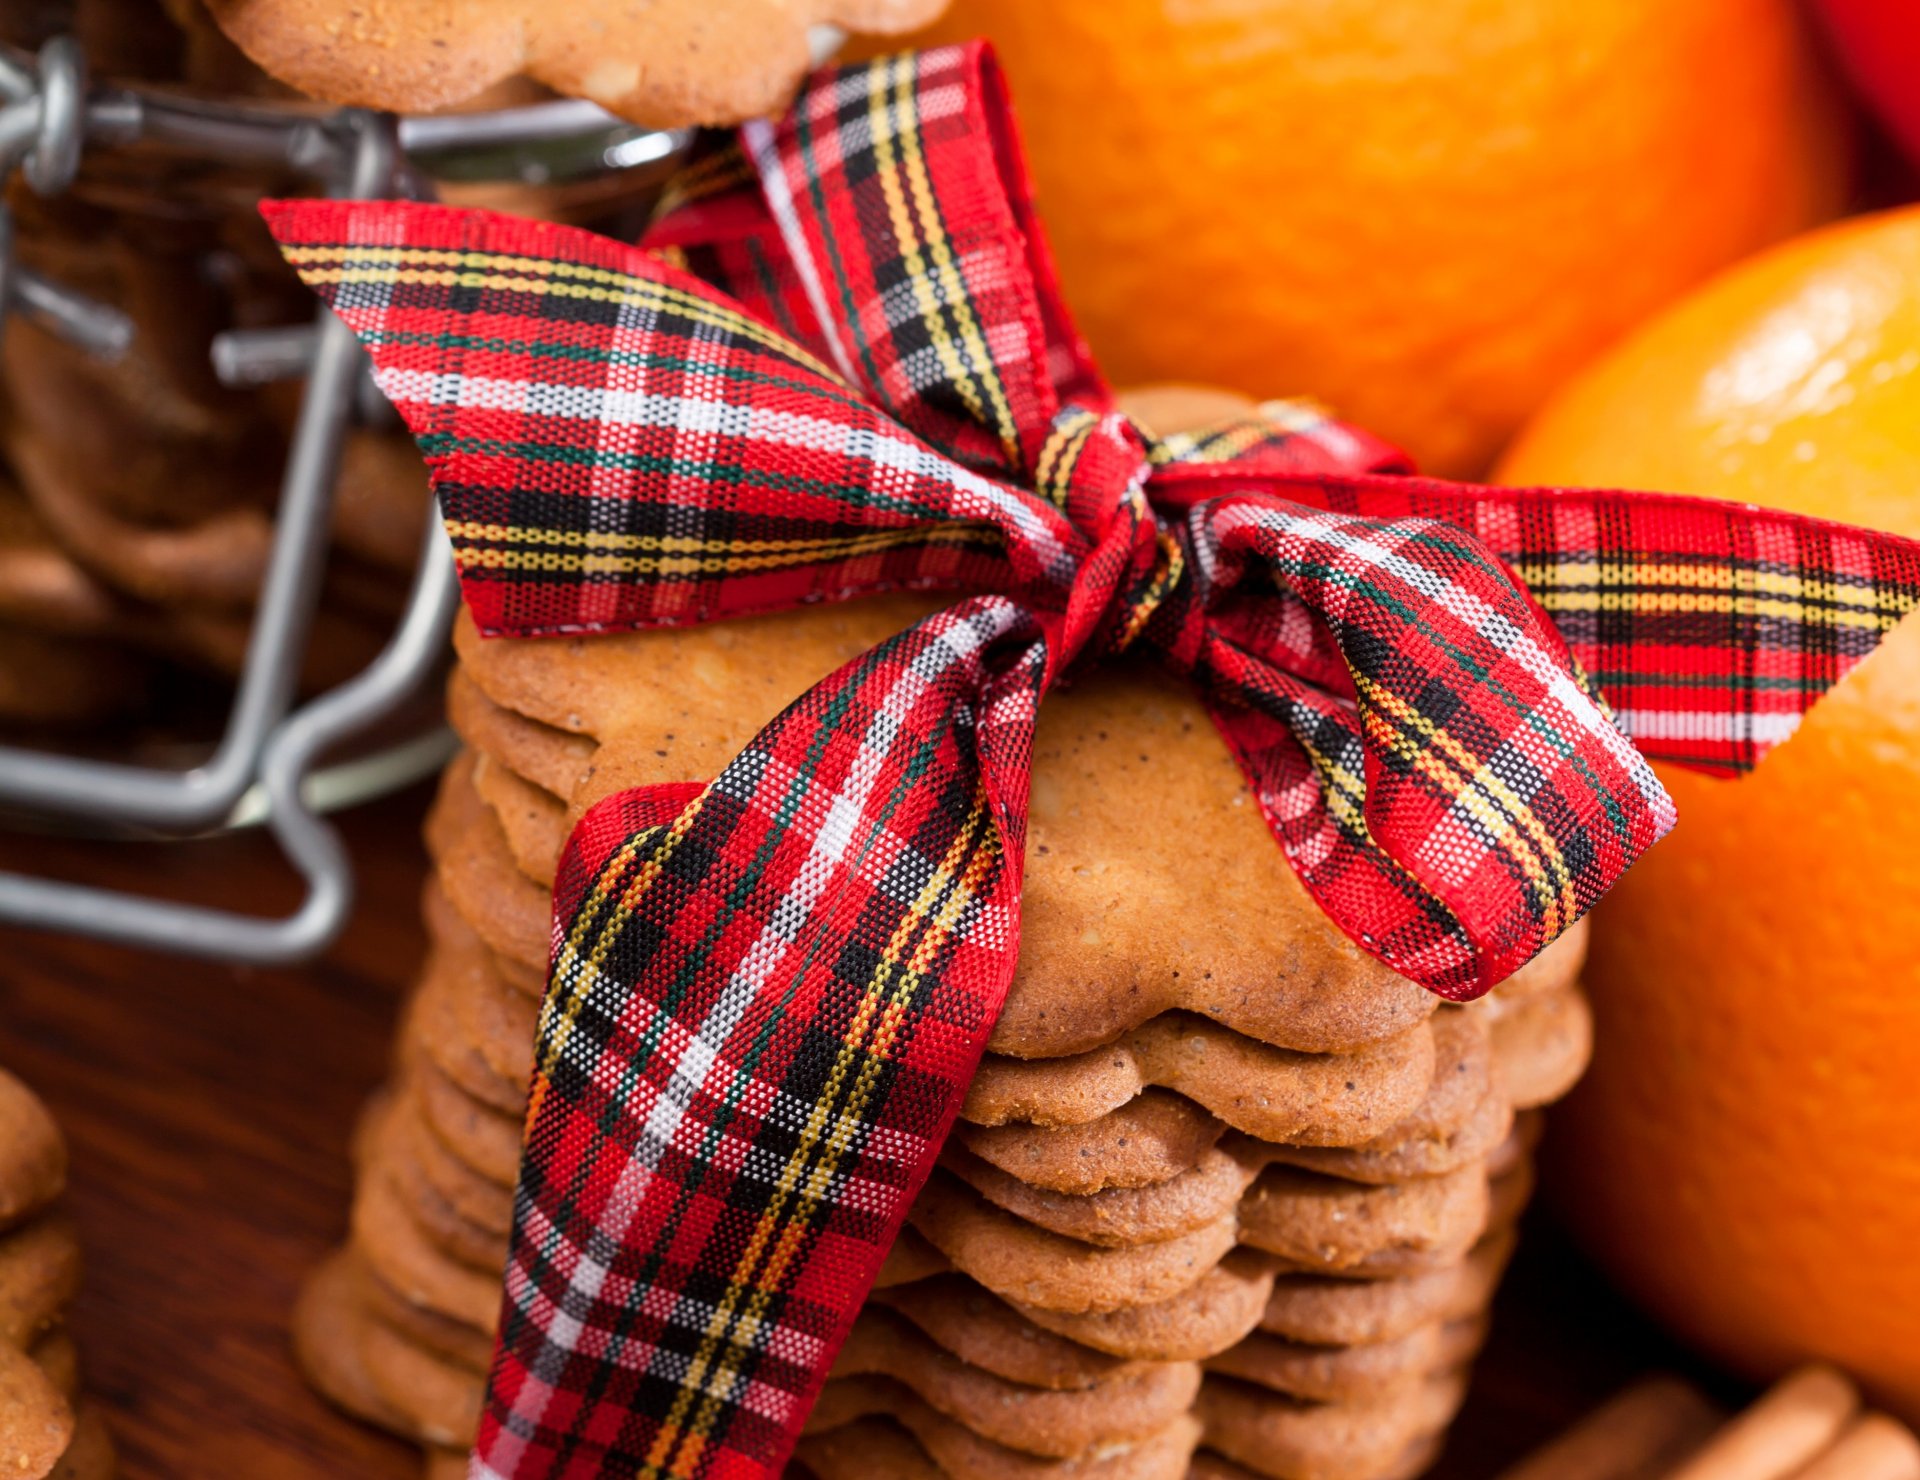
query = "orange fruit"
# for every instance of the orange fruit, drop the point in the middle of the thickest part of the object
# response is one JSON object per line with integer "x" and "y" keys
{"x": 1744, "y": 1154}
{"x": 1427, "y": 215}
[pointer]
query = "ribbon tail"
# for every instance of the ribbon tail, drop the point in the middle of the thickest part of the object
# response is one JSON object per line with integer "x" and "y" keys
{"x": 763, "y": 1014}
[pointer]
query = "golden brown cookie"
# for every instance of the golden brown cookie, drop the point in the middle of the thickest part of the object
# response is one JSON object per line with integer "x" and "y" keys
{"x": 666, "y": 64}
{"x": 458, "y": 1237}
{"x": 985, "y": 1332}
{"x": 534, "y": 822}
{"x": 960, "y": 1454}
{"x": 1323, "y": 1223}
{"x": 506, "y": 909}
{"x": 438, "y": 1400}
{"x": 1201, "y": 1321}
{"x": 1324, "y": 1311}
{"x": 1130, "y": 1406}
{"x": 1542, "y": 1043}
{"x": 56, "y": 1355}
{"x": 1274, "y": 1094}
{"x": 467, "y": 1347}
{"x": 1417, "y": 1460}
{"x": 865, "y": 1449}
{"x": 327, "y": 1325}
{"x": 36, "y": 1422}
{"x": 397, "y": 1250}
{"x": 1123, "y": 1217}
{"x": 1155, "y": 1136}
{"x": 538, "y": 754}
{"x": 1115, "y": 928}
{"x": 446, "y": 926}
{"x": 1330, "y": 1374}
{"x": 39, "y": 1276}
{"x": 1288, "y": 1440}
{"x": 482, "y": 1202}
{"x": 33, "y": 1155}
{"x": 481, "y": 1136}
{"x": 440, "y": 1020}
{"x": 1032, "y": 1267}
{"x": 446, "y": 1464}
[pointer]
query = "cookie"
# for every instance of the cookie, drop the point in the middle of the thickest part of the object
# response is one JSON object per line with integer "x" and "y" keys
{"x": 1131, "y": 1406}
{"x": 1320, "y": 1310}
{"x": 33, "y": 1155}
{"x": 1337, "y": 1220}
{"x": 960, "y": 1454}
{"x": 668, "y": 64}
{"x": 910, "y": 1258}
{"x": 533, "y": 822}
{"x": 438, "y": 1400}
{"x": 1122, "y": 1217}
{"x": 1342, "y": 1374}
{"x": 327, "y": 1323}
{"x": 538, "y": 754}
{"x": 1206, "y": 1318}
{"x": 1417, "y": 1460}
{"x": 1115, "y": 928}
{"x": 466, "y": 1347}
{"x": 36, "y": 1422}
{"x": 485, "y": 1139}
{"x": 1323, "y": 1223}
{"x": 1032, "y": 1267}
{"x": 1542, "y": 1043}
{"x": 396, "y": 1249}
{"x": 1150, "y": 1139}
{"x": 458, "y": 1237}
{"x": 481, "y": 1202}
{"x": 39, "y": 1276}
{"x": 446, "y": 926}
{"x": 506, "y": 909}
{"x": 1288, "y": 1440}
{"x": 985, "y": 1332}
{"x": 1331, "y": 1374}
{"x": 865, "y": 1449}
{"x": 1274, "y": 1094}
{"x": 442, "y": 1023}
{"x": 446, "y": 1464}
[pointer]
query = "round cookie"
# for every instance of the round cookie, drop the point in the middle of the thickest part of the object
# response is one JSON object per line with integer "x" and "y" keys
{"x": 1131, "y": 1405}
{"x": 39, "y": 1276}
{"x": 985, "y": 1332}
{"x": 1207, "y": 1318}
{"x": 1272, "y": 1094}
{"x": 399, "y": 1252}
{"x": 33, "y": 1155}
{"x": 1155, "y": 1136}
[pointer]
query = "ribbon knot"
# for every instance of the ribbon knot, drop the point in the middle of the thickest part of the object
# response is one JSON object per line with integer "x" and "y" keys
{"x": 1095, "y": 467}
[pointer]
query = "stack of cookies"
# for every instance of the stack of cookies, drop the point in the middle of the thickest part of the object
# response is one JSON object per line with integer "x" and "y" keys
{"x": 1228, "y": 1197}
{"x": 45, "y": 1429}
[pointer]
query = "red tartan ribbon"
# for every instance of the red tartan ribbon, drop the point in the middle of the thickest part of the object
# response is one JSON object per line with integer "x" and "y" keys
{"x": 770, "y": 992}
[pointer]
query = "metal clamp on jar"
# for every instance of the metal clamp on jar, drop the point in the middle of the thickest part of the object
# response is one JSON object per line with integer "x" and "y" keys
{"x": 147, "y": 189}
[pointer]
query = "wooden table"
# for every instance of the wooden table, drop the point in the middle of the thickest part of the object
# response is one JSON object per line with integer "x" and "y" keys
{"x": 209, "y": 1107}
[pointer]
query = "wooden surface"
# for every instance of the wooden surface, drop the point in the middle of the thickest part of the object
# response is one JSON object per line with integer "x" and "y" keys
{"x": 209, "y": 1107}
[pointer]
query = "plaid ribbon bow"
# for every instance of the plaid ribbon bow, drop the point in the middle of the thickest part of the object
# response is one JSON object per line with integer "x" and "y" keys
{"x": 768, "y": 994}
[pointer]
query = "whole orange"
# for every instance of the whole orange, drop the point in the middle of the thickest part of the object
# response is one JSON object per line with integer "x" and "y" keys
{"x": 1425, "y": 214}
{"x": 1745, "y": 1153}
